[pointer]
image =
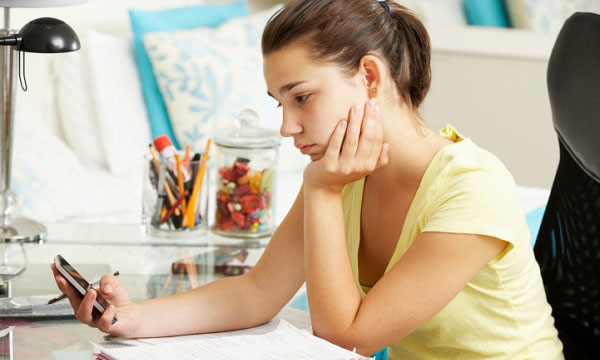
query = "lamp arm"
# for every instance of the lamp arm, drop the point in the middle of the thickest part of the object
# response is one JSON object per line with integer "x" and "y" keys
{"x": 10, "y": 40}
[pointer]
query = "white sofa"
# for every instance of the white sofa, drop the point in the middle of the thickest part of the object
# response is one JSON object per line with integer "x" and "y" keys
{"x": 501, "y": 103}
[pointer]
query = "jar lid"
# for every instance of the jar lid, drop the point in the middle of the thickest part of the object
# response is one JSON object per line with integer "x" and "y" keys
{"x": 247, "y": 134}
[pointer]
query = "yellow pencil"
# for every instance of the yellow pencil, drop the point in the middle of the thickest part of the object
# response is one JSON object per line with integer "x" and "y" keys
{"x": 190, "y": 217}
{"x": 180, "y": 181}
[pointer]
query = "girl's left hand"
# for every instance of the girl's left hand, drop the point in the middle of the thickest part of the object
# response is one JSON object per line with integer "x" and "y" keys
{"x": 349, "y": 159}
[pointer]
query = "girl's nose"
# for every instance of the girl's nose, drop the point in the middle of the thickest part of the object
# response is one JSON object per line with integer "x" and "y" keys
{"x": 289, "y": 126}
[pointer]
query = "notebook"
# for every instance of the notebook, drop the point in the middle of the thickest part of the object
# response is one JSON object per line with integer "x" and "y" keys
{"x": 278, "y": 339}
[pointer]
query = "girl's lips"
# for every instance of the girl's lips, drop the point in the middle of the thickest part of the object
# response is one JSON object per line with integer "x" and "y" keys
{"x": 306, "y": 149}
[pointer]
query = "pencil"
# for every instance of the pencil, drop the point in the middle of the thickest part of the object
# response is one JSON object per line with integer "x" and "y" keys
{"x": 170, "y": 195}
{"x": 190, "y": 217}
{"x": 180, "y": 181}
{"x": 63, "y": 296}
{"x": 168, "y": 214}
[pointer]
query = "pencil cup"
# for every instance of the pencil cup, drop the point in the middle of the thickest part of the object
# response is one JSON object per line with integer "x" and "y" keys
{"x": 175, "y": 197}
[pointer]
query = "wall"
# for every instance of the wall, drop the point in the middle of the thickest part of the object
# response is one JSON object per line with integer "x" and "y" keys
{"x": 489, "y": 84}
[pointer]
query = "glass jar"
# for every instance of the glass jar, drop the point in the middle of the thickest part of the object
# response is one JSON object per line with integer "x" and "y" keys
{"x": 246, "y": 178}
{"x": 168, "y": 204}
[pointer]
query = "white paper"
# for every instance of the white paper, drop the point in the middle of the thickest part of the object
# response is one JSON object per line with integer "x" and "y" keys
{"x": 285, "y": 342}
{"x": 298, "y": 318}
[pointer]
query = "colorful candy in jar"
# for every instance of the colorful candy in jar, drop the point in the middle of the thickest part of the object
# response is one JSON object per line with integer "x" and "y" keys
{"x": 244, "y": 197}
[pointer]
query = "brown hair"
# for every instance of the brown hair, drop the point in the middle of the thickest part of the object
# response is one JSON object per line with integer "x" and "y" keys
{"x": 343, "y": 31}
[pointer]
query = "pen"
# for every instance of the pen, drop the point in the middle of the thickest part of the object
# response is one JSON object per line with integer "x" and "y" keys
{"x": 63, "y": 296}
{"x": 170, "y": 195}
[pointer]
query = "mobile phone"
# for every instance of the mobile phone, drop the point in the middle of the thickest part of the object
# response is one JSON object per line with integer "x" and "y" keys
{"x": 80, "y": 284}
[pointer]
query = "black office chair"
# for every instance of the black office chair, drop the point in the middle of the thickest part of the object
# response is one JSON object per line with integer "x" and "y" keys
{"x": 568, "y": 244}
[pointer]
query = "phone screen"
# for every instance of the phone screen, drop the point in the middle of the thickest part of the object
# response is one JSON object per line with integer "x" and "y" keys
{"x": 83, "y": 283}
{"x": 74, "y": 274}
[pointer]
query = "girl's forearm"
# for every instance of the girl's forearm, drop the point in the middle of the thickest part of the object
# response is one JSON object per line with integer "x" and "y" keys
{"x": 227, "y": 304}
{"x": 332, "y": 293}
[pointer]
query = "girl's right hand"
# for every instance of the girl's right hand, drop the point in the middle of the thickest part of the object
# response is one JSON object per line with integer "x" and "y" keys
{"x": 127, "y": 312}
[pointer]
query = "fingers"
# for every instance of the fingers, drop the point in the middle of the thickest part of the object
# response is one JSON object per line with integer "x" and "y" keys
{"x": 369, "y": 137}
{"x": 66, "y": 288}
{"x": 84, "y": 312}
{"x": 108, "y": 283}
{"x": 83, "y": 308}
{"x": 54, "y": 270}
{"x": 360, "y": 146}
{"x": 335, "y": 143}
{"x": 112, "y": 290}
{"x": 105, "y": 322}
{"x": 351, "y": 141}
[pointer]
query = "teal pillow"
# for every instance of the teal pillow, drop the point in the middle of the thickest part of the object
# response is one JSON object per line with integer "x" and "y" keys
{"x": 486, "y": 13}
{"x": 534, "y": 221}
{"x": 164, "y": 20}
{"x": 300, "y": 302}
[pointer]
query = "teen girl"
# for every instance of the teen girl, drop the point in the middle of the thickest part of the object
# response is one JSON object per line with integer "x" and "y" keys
{"x": 406, "y": 238}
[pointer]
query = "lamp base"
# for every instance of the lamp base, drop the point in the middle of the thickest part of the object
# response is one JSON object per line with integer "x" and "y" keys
{"x": 23, "y": 230}
{"x": 9, "y": 270}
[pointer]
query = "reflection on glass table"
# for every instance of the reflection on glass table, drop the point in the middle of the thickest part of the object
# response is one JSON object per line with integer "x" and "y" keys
{"x": 146, "y": 271}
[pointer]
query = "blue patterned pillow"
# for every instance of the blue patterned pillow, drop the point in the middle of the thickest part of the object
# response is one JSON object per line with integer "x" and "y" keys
{"x": 546, "y": 15}
{"x": 206, "y": 76}
{"x": 143, "y": 22}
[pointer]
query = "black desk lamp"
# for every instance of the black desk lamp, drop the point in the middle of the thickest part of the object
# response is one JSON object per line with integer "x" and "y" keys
{"x": 44, "y": 35}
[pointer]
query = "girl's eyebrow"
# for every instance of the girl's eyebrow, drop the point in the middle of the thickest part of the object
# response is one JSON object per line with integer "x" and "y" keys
{"x": 286, "y": 88}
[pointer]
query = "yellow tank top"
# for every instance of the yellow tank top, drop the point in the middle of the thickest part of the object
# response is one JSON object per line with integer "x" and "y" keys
{"x": 502, "y": 313}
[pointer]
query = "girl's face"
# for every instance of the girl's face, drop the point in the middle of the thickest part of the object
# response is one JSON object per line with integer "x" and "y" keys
{"x": 315, "y": 97}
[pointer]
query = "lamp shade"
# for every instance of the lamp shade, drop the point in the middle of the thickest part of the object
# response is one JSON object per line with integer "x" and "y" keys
{"x": 48, "y": 35}
{"x": 39, "y": 3}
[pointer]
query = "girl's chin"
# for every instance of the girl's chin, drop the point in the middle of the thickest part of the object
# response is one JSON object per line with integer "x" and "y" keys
{"x": 315, "y": 157}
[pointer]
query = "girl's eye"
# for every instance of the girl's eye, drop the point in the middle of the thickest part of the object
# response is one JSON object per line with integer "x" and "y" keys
{"x": 299, "y": 98}
{"x": 302, "y": 98}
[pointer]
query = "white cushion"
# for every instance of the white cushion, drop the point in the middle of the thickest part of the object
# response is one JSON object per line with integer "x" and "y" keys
{"x": 120, "y": 112}
{"x": 443, "y": 12}
{"x": 438, "y": 12}
{"x": 75, "y": 107}
{"x": 207, "y": 76}
{"x": 52, "y": 184}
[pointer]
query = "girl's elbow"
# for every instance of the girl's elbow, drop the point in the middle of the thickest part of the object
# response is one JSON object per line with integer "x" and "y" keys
{"x": 348, "y": 342}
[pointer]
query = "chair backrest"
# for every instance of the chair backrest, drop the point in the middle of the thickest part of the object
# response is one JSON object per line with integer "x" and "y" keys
{"x": 568, "y": 243}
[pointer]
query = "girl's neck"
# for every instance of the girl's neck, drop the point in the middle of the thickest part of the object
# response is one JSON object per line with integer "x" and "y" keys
{"x": 412, "y": 146}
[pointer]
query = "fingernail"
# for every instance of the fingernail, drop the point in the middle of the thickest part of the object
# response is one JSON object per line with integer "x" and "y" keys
{"x": 377, "y": 110}
{"x": 107, "y": 288}
{"x": 355, "y": 110}
{"x": 343, "y": 125}
{"x": 372, "y": 104}
{"x": 92, "y": 293}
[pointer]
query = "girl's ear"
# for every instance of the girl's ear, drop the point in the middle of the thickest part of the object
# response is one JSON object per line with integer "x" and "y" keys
{"x": 371, "y": 72}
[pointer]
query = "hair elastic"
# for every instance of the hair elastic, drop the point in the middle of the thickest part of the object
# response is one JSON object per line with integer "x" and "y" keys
{"x": 384, "y": 5}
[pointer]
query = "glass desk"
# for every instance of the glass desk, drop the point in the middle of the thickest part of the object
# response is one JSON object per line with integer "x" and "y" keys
{"x": 94, "y": 250}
